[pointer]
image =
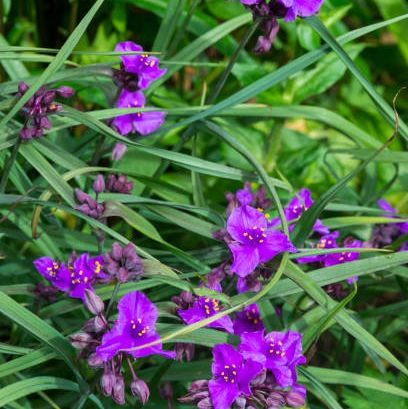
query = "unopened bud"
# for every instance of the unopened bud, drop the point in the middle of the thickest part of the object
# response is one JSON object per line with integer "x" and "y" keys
{"x": 276, "y": 400}
{"x": 118, "y": 151}
{"x": 22, "y": 87}
{"x": 140, "y": 389}
{"x": 65, "y": 92}
{"x": 108, "y": 379}
{"x": 122, "y": 275}
{"x": 239, "y": 403}
{"x": 93, "y": 302}
{"x": 117, "y": 251}
{"x": 99, "y": 184}
{"x": 81, "y": 196}
{"x": 100, "y": 323}
{"x": 295, "y": 399}
{"x": 95, "y": 361}
{"x": 205, "y": 404}
{"x": 80, "y": 340}
{"x": 118, "y": 392}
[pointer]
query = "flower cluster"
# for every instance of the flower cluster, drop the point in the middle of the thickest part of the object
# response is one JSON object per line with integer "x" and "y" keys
{"x": 270, "y": 11}
{"x": 261, "y": 372}
{"x": 136, "y": 73}
{"x": 36, "y": 110}
{"x": 73, "y": 278}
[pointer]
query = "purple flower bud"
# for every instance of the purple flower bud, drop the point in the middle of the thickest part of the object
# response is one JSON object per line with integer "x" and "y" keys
{"x": 99, "y": 184}
{"x": 239, "y": 403}
{"x": 107, "y": 381}
{"x": 118, "y": 392}
{"x": 65, "y": 92}
{"x": 166, "y": 391}
{"x": 276, "y": 400}
{"x": 205, "y": 404}
{"x": 295, "y": 399}
{"x": 122, "y": 275}
{"x": 48, "y": 98}
{"x": 81, "y": 196}
{"x": 140, "y": 389}
{"x": 93, "y": 302}
{"x": 100, "y": 323}
{"x": 94, "y": 361}
{"x": 186, "y": 349}
{"x": 80, "y": 340}
{"x": 117, "y": 251}
{"x": 22, "y": 87}
{"x": 118, "y": 151}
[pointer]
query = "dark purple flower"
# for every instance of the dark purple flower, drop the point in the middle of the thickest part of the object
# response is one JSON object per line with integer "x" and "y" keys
{"x": 280, "y": 352}
{"x": 138, "y": 67}
{"x": 248, "y": 320}
{"x": 300, "y": 8}
{"x": 142, "y": 122}
{"x": 253, "y": 242}
{"x": 38, "y": 107}
{"x": 119, "y": 184}
{"x": 205, "y": 307}
{"x": 134, "y": 327}
{"x": 232, "y": 376}
{"x": 301, "y": 202}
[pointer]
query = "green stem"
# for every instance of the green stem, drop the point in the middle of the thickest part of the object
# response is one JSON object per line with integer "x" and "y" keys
{"x": 112, "y": 299}
{"x": 9, "y": 165}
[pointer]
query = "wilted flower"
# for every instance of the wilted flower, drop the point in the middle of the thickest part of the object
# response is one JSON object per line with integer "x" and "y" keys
{"x": 38, "y": 107}
{"x": 280, "y": 352}
{"x": 134, "y": 327}
{"x": 253, "y": 242}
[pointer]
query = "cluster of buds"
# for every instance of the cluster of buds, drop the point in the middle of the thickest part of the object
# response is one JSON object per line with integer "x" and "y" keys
{"x": 265, "y": 394}
{"x": 246, "y": 196}
{"x": 123, "y": 263}
{"x": 47, "y": 293}
{"x": 38, "y": 107}
{"x": 91, "y": 207}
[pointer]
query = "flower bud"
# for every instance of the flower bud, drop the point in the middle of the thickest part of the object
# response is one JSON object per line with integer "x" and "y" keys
{"x": 118, "y": 392}
{"x": 65, "y": 92}
{"x": 22, "y": 87}
{"x": 295, "y": 399}
{"x": 205, "y": 404}
{"x": 100, "y": 323}
{"x": 140, "y": 389}
{"x": 81, "y": 196}
{"x": 122, "y": 275}
{"x": 276, "y": 400}
{"x": 93, "y": 302}
{"x": 99, "y": 184}
{"x": 107, "y": 381}
{"x": 239, "y": 403}
{"x": 95, "y": 361}
{"x": 117, "y": 251}
{"x": 80, "y": 340}
{"x": 118, "y": 151}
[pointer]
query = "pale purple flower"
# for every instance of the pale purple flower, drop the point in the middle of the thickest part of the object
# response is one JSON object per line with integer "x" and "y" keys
{"x": 300, "y": 8}
{"x": 143, "y": 123}
{"x": 232, "y": 376}
{"x": 280, "y": 352}
{"x": 134, "y": 327}
{"x": 253, "y": 242}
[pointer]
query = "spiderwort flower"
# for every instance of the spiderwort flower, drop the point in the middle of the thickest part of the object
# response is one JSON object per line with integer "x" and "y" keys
{"x": 38, "y": 107}
{"x": 280, "y": 352}
{"x": 137, "y": 70}
{"x": 205, "y": 307}
{"x": 252, "y": 241}
{"x": 232, "y": 376}
{"x": 142, "y": 122}
{"x": 248, "y": 320}
{"x": 301, "y": 202}
{"x": 300, "y": 8}
{"x": 134, "y": 327}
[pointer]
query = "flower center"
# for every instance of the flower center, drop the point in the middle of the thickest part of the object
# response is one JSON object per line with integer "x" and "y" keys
{"x": 98, "y": 267}
{"x": 254, "y": 236}
{"x": 229, "y": 373}
{"x": 252, "y": 315}
{"x": 211, "y": 306}
{"x": 78, "y": 277}
{"x": 52, "y": 271}
{"x": 145, "y": 60}
{"x": 276, "y": 348}
{"x": 323, "y": 243}
{"x": 137, "y": 329}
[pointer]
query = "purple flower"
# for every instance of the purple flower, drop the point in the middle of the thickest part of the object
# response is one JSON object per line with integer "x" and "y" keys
{"x": 300, "y": 8}
{"x": 134, "y": 327}
{"x": 301, "y": 202}
{"x": 205, "y": 307}
{"x": 73, "y": 279}
{"x": 138, "y": 67}
{"x": 248, "y": 320}
{"x": 142, "y": 122}
{"x": 232, "y": 376}
{"x": 280, "y": 352}
{"x": 253, "y": 242}
{"x": 326, "y": 242}
{"x": 38, "y": 107}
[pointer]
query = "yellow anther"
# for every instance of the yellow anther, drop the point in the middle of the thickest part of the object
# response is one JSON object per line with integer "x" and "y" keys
{"x": 85, "y": 280}
{"x": 261, "y": 241}
{"x": 251, "y": 238}
{"x": 245, "y": 234}
{"x": 280, "y": 343}
{"x": 263, "y": 235}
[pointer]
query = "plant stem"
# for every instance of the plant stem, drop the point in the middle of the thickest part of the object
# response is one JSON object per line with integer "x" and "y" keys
{"x": 9, "y": 165}
{"x": 113, "y": 297}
